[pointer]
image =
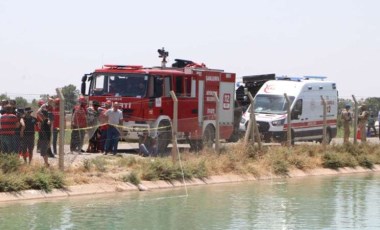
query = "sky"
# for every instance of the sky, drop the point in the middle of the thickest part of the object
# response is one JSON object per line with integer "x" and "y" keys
{"x": 46, "y": 45}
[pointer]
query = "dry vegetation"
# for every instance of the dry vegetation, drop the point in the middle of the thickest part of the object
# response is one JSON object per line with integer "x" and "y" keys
{"x": 236, "y": 159}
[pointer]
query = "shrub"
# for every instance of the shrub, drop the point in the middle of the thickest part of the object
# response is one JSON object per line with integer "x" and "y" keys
{"x": 11, "y": 183}
{"x": 132, "y": 178}
{"x": 365, "y": 162}
{"x": 280, "y": 167}
{"x": 9, "y": 163}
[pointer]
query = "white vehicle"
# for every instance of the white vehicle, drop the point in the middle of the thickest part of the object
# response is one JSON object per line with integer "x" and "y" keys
{"x": 306, "y": 109}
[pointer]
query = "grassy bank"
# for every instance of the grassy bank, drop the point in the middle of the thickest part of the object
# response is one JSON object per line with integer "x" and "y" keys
{"x": 237, "y": 159}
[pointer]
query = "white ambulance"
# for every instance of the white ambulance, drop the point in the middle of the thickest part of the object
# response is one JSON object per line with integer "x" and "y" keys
{"x": 306, "y": 109}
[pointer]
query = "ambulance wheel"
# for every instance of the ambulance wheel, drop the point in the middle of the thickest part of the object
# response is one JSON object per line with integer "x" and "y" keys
{"x": 164, "y": 137}
{"x": 208, "y": 137}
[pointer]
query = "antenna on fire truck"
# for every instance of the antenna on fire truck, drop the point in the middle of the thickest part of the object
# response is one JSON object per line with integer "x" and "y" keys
{"x": 163, "y": 54}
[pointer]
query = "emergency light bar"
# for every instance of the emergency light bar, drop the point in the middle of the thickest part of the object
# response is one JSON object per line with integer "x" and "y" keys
{"x": 321, "y": 78}
{"x": 123, "y": 66}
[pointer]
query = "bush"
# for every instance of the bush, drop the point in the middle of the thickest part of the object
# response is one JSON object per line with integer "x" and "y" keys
{"x": 132, "y": 178}
{"x": 11, "y": 183}
{"x": 365, "y": 162}
{"x": 9, "y": 163}
{"x": 280, "y": 167}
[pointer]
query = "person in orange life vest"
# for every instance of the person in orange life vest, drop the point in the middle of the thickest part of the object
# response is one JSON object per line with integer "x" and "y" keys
{"x": 27, "y": 133}
{"x": 78, "y": 125}
{"x": 9, "y": 123}
{"x": 56, "y": 120}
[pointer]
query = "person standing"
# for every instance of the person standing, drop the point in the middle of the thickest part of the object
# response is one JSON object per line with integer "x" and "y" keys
{"x": 78, "y": 125}
{"x": 115, "y": 122}
{"x": 9, "y": 123}
{"x": 103, "y": 120}
{"x": 371, "y": 125}
{"x": 27, "y": 133}
{"x": 45, "y": 135}
{"x": 378, "y": 119}
{"x": 363, "y": 119}
{"x": 46, "y": 108}
{"x": 93, "y": 113}
{"x": 346, "y": 118}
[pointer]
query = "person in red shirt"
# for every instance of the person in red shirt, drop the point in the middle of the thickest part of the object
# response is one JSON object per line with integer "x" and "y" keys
{"x": 78, "y": 125}
{"x": 9, "y": 123}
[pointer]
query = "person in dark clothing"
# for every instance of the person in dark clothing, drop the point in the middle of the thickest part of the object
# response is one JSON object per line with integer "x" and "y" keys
{"x": 45, "y": 133}
{"x": 27, "y": 133}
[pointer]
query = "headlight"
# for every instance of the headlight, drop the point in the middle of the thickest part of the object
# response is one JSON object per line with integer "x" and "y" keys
{"x": 278, "y": 122}
{"x": 242, "y": 121}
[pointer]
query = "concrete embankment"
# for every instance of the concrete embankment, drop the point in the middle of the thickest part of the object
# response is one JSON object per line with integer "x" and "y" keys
{"x": 103, "y": 188}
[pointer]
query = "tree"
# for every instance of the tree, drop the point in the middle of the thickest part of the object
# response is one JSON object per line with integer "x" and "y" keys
{"x": 21, "y": 102}
{"x": 70, "y": 93}
{"x": 373, "y": 104}
{"x": 4, "y": 96}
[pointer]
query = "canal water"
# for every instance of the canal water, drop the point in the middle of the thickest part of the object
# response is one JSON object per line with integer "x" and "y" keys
{"x": 321, "y": 202}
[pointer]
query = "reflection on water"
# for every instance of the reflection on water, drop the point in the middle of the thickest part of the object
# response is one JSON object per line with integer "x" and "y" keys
{"x": 338, "y": 202}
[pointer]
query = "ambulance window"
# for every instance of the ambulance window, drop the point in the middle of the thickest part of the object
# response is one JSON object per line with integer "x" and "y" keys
{"x": 167, "y": 87}
{"x": 297, "y": 110}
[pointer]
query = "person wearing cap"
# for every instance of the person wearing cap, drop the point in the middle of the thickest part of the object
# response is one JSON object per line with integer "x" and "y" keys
{"x": 115, "y": 122}
{"x": 46, "y": 108}
{"x": 362, "y": 121}
{"x": 78, "y": 125}
{"x": 27, "y": 133}
{"x": 9, "y": 123}
{"x": 346, "y": 117}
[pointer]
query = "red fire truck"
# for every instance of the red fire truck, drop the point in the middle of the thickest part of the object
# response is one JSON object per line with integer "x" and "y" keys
{"x": 144, "y": 96}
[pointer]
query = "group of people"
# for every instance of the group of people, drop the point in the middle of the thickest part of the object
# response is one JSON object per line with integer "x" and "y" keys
{"x": 18, "y": 127}
{"x": 365, "y": 119}
{"x": 102, "y": 125}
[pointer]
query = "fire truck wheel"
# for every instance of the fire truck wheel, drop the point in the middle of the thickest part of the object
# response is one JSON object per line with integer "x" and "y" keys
{"x": 208, "y": 136}
{"x": 164, "y": 137}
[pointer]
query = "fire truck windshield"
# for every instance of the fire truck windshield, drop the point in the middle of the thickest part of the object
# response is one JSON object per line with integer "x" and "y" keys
{"x": 126, "y": 85}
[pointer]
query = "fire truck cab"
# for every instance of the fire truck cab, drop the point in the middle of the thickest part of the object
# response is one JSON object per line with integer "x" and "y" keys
{"x": 144, "y": 96}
